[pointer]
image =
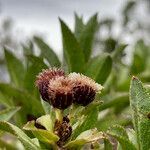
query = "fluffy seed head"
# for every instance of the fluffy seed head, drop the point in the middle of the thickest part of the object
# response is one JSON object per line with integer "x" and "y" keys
{"x": 84, "y": 88}
{"x": 43, "y": 79}
{"x": 60, "y": 91}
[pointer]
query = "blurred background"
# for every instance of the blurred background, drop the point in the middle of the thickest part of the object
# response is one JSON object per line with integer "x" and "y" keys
{"x": 109, "y": 42}
{"x": 20, "y": 20}
{"x": 115, "y": 45}
{"x": 26, "y": 15}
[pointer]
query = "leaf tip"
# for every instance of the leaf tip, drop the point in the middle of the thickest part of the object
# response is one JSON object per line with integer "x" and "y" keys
{"x": 134, "y": 78}
{"x": 60, "y": 20}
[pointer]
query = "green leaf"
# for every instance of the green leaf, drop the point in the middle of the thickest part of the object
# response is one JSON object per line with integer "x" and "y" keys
{"x": 118, "y": 51}
{"x": 46, "y": 106}
{"x": 132, "y": 136}
{"x": 110, "y": 119}
{"x": 46, "y": 121}
{"x": 99, "y": 68}
{"x": 119, "y": 101}
{"x": 140, "y": 104}
{"x": 140, "y": 58}
{"x": 123, "y": 80}
{"x": 15, "y": 68}
{"x": 6, "y": 114}
{"x": 120, "y": 134}
{"x": 12, "y": 92}
{"x": 87, "y": 36}
{"x": 88, "y": 121}
{"x": 109, "y": 45}
{"x": 43, "y": 135}
{"x": 28, "y": 49}
{"x": 24, "y": 99}
{"x": 108, "y": 22}
{"x": 35, "y": 67}
{"x": 26, "y": 141}
{"x": 127, "y": 10}
{"x": 88, "y": 136}
{"x": 119, "y": 130}
{"x": 78, "y": 26}
{"x": 73, "y": 53}
{"x": 47, "y": 52}
{"x": 5, "y": 100}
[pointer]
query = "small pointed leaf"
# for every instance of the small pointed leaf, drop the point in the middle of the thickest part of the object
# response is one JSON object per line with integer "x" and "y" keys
{"x": 43, "y": 135}
{"x": 78, "y": 26}
{"x": 73, "y": 53}
{"x": 87, "y": 36}
{"x": 15, "y": 68}
{"x": 47, "y": 52}
{"x": 6, "y": 114}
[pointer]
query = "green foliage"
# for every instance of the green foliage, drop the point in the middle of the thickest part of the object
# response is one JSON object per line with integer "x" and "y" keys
{"x": 47, "y": 53}
{"x": 20, "y": 97}
{"x": 46, "y": 121}
{"x": 140, "y": 104}
{"x": 109, "y": 45}
{"x": 45, "y": 136}
{"x": 120, "y": 134}
{"x": 72, "y": 50}
{"x": 15, "y": 68}
{"x": 26, "y": 141}
{"x": 36, "y": 65}
{"x": 129, "y": 7}
{"x": 119, "y": 52}
{"x": 85, "y": 34}
{"x": 96, "y": 68}
{"x": 107, "y": 145}
{"x": 86, "y": 38}
{"x": 140, "y": 58}
{"x": 6, "y": 114}
{"x": 86, "y": 123}
{"x": 5, "y": 145}
{"x": 79, "y": 25}
{"x": 85, "y": 137}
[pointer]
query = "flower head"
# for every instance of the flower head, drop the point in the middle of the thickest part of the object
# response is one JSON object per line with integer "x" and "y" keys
{"x": 43, "y": 79}
{"x": 84, "y": 88}
{"x": 60, "y": 92}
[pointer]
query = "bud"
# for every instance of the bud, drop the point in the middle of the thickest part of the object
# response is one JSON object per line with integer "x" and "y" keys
{"x": 43, "y": 79}
{"x": 84, "y": 89}
{"x": 63, "y": 130}
{"x": 60, "y": 92}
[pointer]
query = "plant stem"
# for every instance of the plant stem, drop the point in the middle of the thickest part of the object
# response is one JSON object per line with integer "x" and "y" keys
{"x": 73, "y": 110}
{"x": 59, "y": 114}
{"x": 55, "y": 147}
